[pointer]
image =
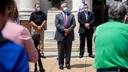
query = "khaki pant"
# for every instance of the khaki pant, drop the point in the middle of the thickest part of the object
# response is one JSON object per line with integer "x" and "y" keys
{"x": 41, "y": 45}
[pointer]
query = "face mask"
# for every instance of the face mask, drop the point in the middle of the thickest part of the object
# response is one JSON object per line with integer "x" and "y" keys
{"x": 66, "y": 10}
{"x": 38, "y": 9}
{"x": 85, "y": 9}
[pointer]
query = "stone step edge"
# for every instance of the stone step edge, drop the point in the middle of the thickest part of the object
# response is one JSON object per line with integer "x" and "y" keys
{"x": 55, "y": 49}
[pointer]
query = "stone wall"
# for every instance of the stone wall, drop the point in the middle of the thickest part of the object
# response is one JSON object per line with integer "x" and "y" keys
{"x": 26, "y": 23}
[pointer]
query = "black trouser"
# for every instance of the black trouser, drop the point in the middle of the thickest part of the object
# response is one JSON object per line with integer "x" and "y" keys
{"x": 64, "y": 51}
{"x": 36, "y": 39}
{"x": 88, "y": 35}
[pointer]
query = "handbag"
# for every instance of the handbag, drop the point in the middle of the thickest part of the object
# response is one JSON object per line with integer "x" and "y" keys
{"x": 36, "y": 39}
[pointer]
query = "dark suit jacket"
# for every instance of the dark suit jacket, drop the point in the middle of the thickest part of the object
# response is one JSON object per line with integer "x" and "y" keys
{"x": 82, "y": 20}
{"x": 59, "y": 23}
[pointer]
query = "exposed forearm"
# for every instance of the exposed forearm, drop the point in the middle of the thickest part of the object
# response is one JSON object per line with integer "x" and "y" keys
{"x": 28, "y": 44}
{"x": 33, "y": 24}
{"x": 43, "y": 24}
{"x": 31, "y": 49}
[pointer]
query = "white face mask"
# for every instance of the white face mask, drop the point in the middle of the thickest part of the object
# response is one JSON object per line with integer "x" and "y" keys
{"x": 38, "y": 9}
{"x": 65, "y": 8}
{"x": 86, "y": 9}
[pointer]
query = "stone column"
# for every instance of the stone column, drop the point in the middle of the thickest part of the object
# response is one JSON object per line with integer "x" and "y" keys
{"x": 123, "y": 0}
{"x": 75, "y": 4}
{"x": 89, "y": 2}
{"x": 25, "y": 7}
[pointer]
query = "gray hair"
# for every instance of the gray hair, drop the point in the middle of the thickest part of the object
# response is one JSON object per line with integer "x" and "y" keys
{"x": 116, "y": 10}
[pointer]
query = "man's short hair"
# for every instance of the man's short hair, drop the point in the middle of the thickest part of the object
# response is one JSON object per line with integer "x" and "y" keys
{"x": 62, "y": 4}
{"x": 84, "y": 4}
{"x": 4, "y": 4}
{"x": 116, "y": 11}
{"x": 37, "y": 4}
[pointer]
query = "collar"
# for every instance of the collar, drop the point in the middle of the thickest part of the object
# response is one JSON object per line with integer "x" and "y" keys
{"x": 64, "y": 13}
{"x": 118, "y": 20}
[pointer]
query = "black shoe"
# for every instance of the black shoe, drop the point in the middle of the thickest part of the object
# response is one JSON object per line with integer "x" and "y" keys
{"x": 42, "y": 56}
{"x": 57, "y": 58}
{"x": 80, "y": 56}
{"x": 68, "y": 66}
{"x": 92, "y": 56}
{"x": 61, "y": 67}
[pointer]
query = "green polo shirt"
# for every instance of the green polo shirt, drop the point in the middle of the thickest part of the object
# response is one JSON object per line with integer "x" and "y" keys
{"x": 111, "y": 44}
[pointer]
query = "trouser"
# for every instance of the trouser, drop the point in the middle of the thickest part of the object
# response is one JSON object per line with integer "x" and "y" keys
{"x": 41, "y": 44}
{"x": 64, "y": 51}
{"x": 39, "y": 64}
{"x": 112, "y": 70}
{"x": 89, "y": 36}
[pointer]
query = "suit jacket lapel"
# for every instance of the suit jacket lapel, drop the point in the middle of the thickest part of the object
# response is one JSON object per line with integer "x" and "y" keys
{"x": 61, "y": 15}
{"x": 69, "y": 19}
{"x": 83, "y": 14}
{"x": 86, "y": 20}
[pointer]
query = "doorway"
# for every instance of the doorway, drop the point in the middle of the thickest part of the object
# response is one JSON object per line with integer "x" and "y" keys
{"x": 100, "y": 10}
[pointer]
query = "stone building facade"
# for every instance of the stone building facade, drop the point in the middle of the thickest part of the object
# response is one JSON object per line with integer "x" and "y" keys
{"x": 26, "y": 7}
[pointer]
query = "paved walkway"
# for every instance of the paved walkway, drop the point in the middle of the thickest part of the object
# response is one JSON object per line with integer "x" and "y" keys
{"x": 77, "y": 65}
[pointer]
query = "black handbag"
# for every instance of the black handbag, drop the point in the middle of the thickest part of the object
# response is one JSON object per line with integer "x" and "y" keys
{"x": 36, "y": 38}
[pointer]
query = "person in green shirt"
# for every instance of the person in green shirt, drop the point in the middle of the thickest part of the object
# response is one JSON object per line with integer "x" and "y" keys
{"x": 111, "y": 42}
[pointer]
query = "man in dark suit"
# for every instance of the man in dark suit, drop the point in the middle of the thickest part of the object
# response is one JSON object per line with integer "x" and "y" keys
{"x": 65, "y": 24}
{"x": 86, "y": 20}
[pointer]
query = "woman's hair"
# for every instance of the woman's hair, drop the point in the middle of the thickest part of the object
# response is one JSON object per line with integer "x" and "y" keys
{"x": 116, "y": 11}
{"x": 13, "y": 11}
{"x": 4, "y": 4}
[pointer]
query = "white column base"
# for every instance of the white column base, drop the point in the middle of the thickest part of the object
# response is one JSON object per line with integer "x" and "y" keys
{"x": 25, "y": 14}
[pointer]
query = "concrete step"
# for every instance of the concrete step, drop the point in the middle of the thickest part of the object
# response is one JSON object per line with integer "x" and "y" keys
{"x": 52, "y": 40}
{"x": 74, "y": 49}
{"x": 55, "y": 45}
{"x": 51, "y": 45}
{"x": 52, "y": 49}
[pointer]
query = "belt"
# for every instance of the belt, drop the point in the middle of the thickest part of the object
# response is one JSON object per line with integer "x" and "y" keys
{"x": 115, "y": 69}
